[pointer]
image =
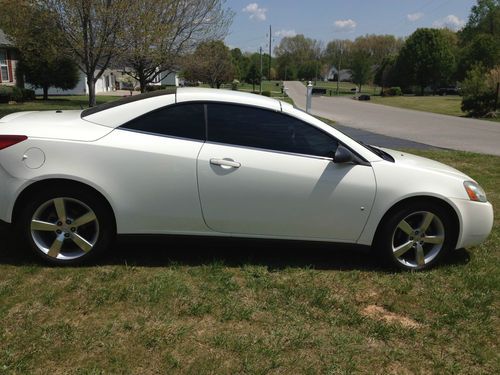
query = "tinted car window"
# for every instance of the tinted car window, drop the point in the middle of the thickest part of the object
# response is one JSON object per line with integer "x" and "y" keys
{"x": 254, "y": 127}
{"x": 181, "y": 120}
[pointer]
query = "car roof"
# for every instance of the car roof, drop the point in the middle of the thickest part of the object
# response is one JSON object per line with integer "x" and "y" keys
{"x": 116, "y": 113}
{"x": 186, "y": 94}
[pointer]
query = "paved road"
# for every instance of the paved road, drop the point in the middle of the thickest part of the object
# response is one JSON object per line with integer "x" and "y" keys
{"x": 422, "y": 127}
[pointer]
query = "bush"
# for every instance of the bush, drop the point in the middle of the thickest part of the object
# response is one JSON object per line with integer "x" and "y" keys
{"x": 479, "y": 105}
{"x": 393, "y": 91}
{"x": 266, "y": 93}
{"x": 478, "y": 97}
{"x": 28, "y": 94}
{"x": 235, "y": 84}
{"x": 10, "y": 93}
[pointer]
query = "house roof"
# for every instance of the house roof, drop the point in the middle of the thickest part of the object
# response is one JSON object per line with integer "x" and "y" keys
{"x": 4, "y": 40}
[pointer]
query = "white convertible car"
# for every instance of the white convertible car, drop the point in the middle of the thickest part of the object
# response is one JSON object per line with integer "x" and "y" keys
{"x": 222, "y": 163}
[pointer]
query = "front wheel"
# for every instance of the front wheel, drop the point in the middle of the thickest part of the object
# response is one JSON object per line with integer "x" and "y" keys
{"x": 416, "y": 237}
{"x": 66, "y": 227}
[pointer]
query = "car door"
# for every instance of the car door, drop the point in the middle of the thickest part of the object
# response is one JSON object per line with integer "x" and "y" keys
{"x": 265, "y": 173}
{"x": 151, "y": 162}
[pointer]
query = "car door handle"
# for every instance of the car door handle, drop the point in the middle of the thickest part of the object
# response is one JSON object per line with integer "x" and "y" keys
{"x": 225, "y": 163}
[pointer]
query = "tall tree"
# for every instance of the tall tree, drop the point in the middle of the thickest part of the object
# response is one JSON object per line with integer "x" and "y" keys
{"x": 159, "y": 32}
{"x": 480, "y": 38}
{"x": 92, "y": 33}
{"x": 426, "y": 58}
{"x": 361, "y": 68}
{"x": 378, "y": 46}
{"x": 44, "y": 61}
{"x": 296, "y": 53}
{"x": 338, "y": 53}
{"x": 211, "y": 63}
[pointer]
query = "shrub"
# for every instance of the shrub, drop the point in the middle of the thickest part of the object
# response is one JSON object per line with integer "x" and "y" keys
{"x": 10, "y": 93}
{"x": 266, "y": 93}
{"x": 393, "y": 91}
{"x": 234, "y": 85}
{"x": 478, "y": 97}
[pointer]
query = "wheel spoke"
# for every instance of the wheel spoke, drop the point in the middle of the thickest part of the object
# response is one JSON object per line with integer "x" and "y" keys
{"x": 85, "y": 219}
{"x": 405, "y": 227}
{"x": 82, "y": 243}
{"x": 55, "y": 249}
{"x": 427, "y": 221}
{"x": 420, "y": 258}
{"x": 402, "y": 249}
{"x": 60, "y": 209}
{"x": 433, "y": 239}
{"x": 43, "y": 226}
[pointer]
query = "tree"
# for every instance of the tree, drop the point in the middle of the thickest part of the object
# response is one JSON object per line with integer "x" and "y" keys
{"x": 91, "y": 29}
{"x": 241, "y": 63}
{"x": 426, "y": 59}
{"x": 211, "y": 63}
{"x": 160, "y": 32}
{"x": 377, "y": 46}
{"x": 480, "y": 38}
{"x": 479, "y": 98}
{"x": 386, "y": 75}
{"x": 253, "y": 75}
{"x": 361, "y": 68}
{"x": 296, "y": 53}
{"x": 44, "y": 62}
{"x": 60, "y": 72}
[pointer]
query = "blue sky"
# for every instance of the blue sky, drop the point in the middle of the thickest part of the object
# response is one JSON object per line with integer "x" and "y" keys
{"x": 338, "y": 19}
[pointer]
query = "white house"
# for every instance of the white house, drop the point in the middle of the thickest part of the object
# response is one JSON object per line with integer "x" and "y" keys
{"x": 108, "y": 82}
{"x": 345, "y": 75}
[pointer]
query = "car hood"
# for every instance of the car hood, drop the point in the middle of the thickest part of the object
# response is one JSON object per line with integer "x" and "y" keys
{"x": 64, "y": 125}
{"x": 414, "y": 161}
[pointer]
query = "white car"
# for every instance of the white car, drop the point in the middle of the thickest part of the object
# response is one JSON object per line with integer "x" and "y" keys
{"x": 223, "y": 163}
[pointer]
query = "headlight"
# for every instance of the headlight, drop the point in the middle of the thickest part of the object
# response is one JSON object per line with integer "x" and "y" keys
{"x": 475, "y": 192}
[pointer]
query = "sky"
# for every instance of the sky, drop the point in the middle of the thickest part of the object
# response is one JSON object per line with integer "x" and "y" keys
{"x": 326, "y": 20}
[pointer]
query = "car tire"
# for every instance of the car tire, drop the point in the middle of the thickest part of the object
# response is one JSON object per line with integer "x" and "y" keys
{"x": 65, "y": 226}
{"x": 416, "y": 236}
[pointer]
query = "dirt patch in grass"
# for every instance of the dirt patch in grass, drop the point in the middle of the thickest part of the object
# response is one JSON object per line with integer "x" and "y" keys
{"x": 379, "y": 313}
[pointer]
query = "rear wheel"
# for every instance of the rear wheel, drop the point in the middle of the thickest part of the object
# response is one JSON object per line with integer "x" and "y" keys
{"x": 416, "y": 236}
{"x": 66, "y": 227}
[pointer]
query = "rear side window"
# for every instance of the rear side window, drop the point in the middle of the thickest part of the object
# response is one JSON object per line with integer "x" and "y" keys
{"x": 178, "y": 120}
{"x": 260, "y": 128}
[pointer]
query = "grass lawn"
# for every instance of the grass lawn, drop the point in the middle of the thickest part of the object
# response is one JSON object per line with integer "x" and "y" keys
{"x": 54, "y": 103}
{"x": 446, "y": 105}
{"x": 344, "y": 88}
{"x": 198, "y": 306}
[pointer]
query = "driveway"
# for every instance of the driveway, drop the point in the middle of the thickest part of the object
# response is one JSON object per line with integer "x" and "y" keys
{"x": 416, "y": 126}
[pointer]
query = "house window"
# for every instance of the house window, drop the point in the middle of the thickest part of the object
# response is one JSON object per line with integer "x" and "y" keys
{"x": 4, "y": 67}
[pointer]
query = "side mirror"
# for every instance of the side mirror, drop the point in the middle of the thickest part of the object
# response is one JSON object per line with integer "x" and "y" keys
{"x": 343, "y": 155}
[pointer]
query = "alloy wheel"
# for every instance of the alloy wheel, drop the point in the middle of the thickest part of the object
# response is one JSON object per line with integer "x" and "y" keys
{"x": 64, "y": 228}
{"x": 418, "y": 239}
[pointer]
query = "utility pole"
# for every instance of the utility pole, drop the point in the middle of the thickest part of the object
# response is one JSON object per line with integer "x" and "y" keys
{"x": 338, "y": 67}
{"x": 270, "y": 41}
{"x": 260, "y": 77}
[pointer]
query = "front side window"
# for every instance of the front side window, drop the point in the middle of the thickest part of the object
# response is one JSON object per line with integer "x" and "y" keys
{"x": 4, "y": 67}
{"x": 260, "y": 128}
{"x": 178, "y": 120}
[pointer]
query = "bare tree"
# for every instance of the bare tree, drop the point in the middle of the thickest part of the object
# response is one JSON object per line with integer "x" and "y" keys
{"x": 159, "y": 32}
{"x": 92, "y": 32}
{"x": 211, "y": 63}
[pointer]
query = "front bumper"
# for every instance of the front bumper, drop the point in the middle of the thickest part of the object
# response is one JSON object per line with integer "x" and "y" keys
{"x": 476, "y": 222}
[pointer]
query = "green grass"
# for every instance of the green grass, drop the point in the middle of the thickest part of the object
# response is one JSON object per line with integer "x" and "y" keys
{"x": 54, "y": 103}
{"x": 445, "y": 105}
{"x": 345, "y": 88}
{"x": 222, "y": 306}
